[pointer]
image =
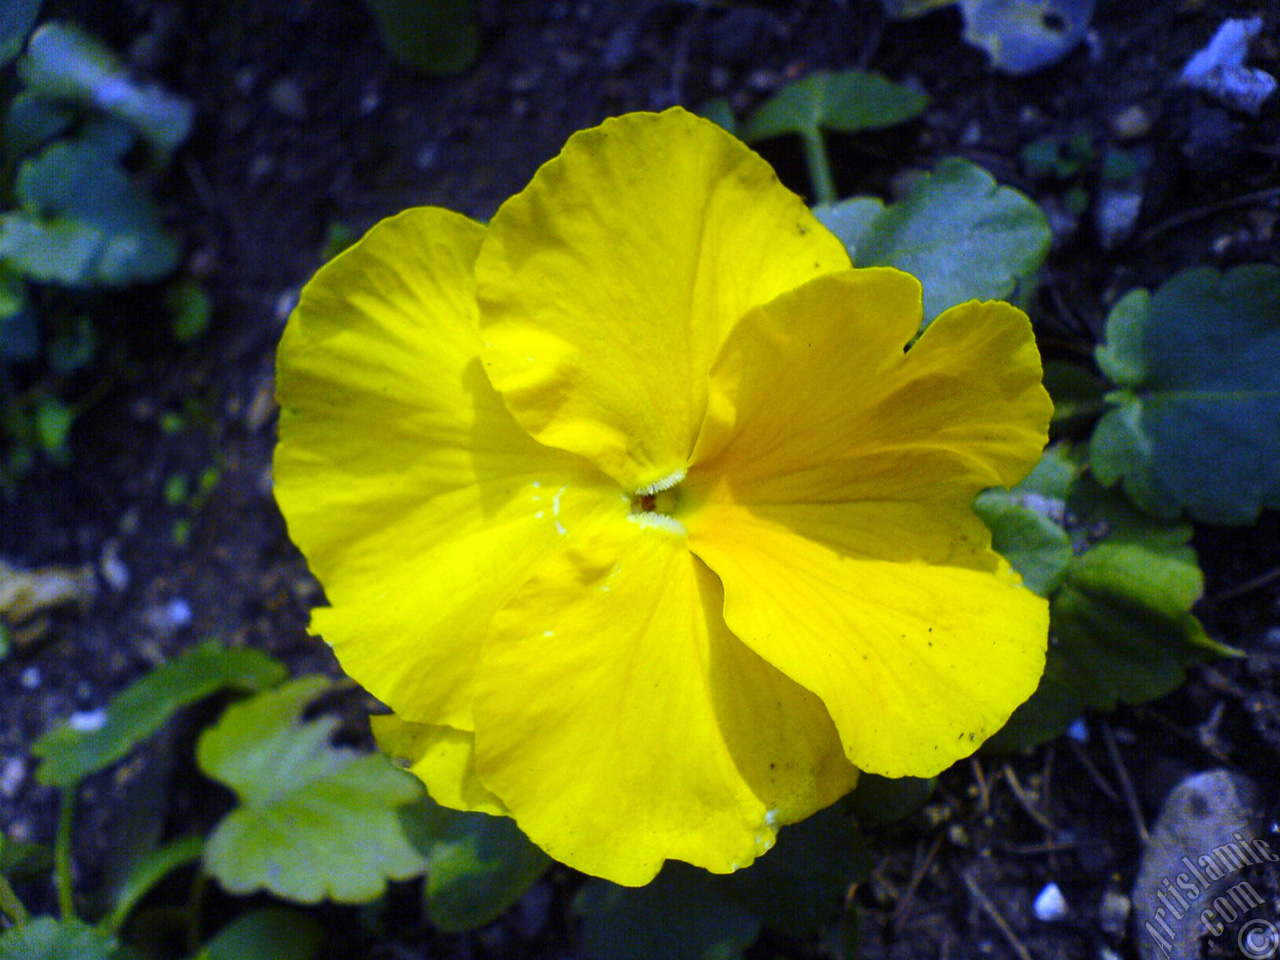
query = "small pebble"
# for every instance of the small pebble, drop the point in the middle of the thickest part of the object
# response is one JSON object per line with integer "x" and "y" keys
{"x": 285, "y": 96}
{"x": 285, "y": 302}
{"x": 1113, "y": 912}
{"x": 762, "y": 80}
{"x": 1131, "y": 123}
{"x": 1050, "y": 904}
{"x": 12, "y": 772}
{"x": 167, "y": 617}
{"x": 113, "y": 570}
{"x": 533, "y": 911}
{"x": 1219, "y": 71}
{"x": 1115, "y": 215}
{"x": 87, "y": 721}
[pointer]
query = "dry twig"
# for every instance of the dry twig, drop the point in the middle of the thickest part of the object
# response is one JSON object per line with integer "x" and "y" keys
{"x": 990, "y": 910}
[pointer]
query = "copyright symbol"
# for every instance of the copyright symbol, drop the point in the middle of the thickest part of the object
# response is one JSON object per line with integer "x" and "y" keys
{"x": 1258, "y": 940}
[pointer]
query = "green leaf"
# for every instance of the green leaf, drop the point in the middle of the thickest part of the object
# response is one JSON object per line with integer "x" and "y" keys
{"x": 73, "y": 345}
{"x": 878, "y": 800}
{"x": 314, "y": 820}
{"x": 905, "y": 9}
{"x": 847, "y": 102}
{"x": 65, "y": 63}
{"x": 53, "y": 423}
{"x": 17, "y": 17}
{"x": 1025, "y": 531}
{"x": 33, "y": 121}
{"x": 48, "y": 939}
{"x": 20, "y": 859}
{"x": 84, "y": 221}
{"x": 960, "y": 233}
{"x": 800, "y": 886}
{"x": 681, "y": 915}
{"x": 477, "y": 865}
{"x": 268, "y": 933}
{"x": 435, "y": 37}
{"x": 1195, "y": 423}
{"x": 150, "y": 869}
{"x": 70, "y": 755}
{"x": 720, "y": 112}
{"x": 1121, "y": 625}
{"x": 189, "y": 309}
{"x": 1075, "y": 391}
{"x": 50, "y": 250}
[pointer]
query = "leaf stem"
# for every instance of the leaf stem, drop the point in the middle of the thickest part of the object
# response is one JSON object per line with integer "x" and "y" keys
{"x": 62, "y": 851}
{"x": 10, "y": 905}
{"x": 819, "y": 164}
{"x": 195, "y": 908}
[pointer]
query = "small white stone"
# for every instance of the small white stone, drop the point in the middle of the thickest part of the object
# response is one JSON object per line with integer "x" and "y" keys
{"x": 12, "y": 772}
{"x": 87, "y": 721}
{"x": 114, "y": 572}
{"x": 178, "y": 612}
{"x": 1050, "y": 904}
{"x": 1113, "y": 912}
{"x": 1219, "y": 71}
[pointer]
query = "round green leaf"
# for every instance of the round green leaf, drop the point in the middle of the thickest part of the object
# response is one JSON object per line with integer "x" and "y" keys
{"x": 48, "y": 939}
{"x": 477, "y": 865}
{"x": 1121, "y": 625}
{"x": 269, "y": 933}
{"x": 84, "y": 221}
{"x": 69, "y": 755}
{"x": 17, "y": 17}
{"x": 1195, "y": 423}
{"x": 800, "y": 886}
{"x": 960, "y": 233}
{"x": 314, "y": 821}
{"x": 65, "y": 63}
{"x": 879, "y": 800}
{"x": 436, "y": 37}
{"x": 681, "y": 915}
{"x": 846, "y": 102}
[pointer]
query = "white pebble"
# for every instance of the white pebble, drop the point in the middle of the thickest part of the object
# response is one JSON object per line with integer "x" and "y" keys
{"x": 87, "y": 721}
{"x": 1219, "y": 69}
{"x": 1050, "y": 904}
{"x": 12, "y": 772}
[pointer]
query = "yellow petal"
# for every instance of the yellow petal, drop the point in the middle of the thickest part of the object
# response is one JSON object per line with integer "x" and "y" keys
{"x": 917, "y": 662}
{"x": 442, "y": 757}
{"x": 813, "y": 399}
{"x": 609, "y": 283}
{"x": 632, "y": 727}
{"x": 830, "y": 491}
{"x": 419, "y": 503}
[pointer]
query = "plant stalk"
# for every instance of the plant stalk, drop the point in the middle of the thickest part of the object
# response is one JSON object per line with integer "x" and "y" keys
{"x": 819, "y": 164}
{"x": 10, "y": 905}
{"x": 62, "y": 852}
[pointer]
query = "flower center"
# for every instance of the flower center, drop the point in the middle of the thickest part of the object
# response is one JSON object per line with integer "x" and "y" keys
{"x": 655, "y": 503}
{"x": 663, "y": 502}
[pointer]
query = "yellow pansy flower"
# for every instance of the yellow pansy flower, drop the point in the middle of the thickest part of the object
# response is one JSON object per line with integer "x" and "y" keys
{"x": 638, "y": 514}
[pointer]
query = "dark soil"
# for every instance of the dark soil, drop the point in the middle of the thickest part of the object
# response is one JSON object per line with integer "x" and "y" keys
{"x": 304, "y": 123}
